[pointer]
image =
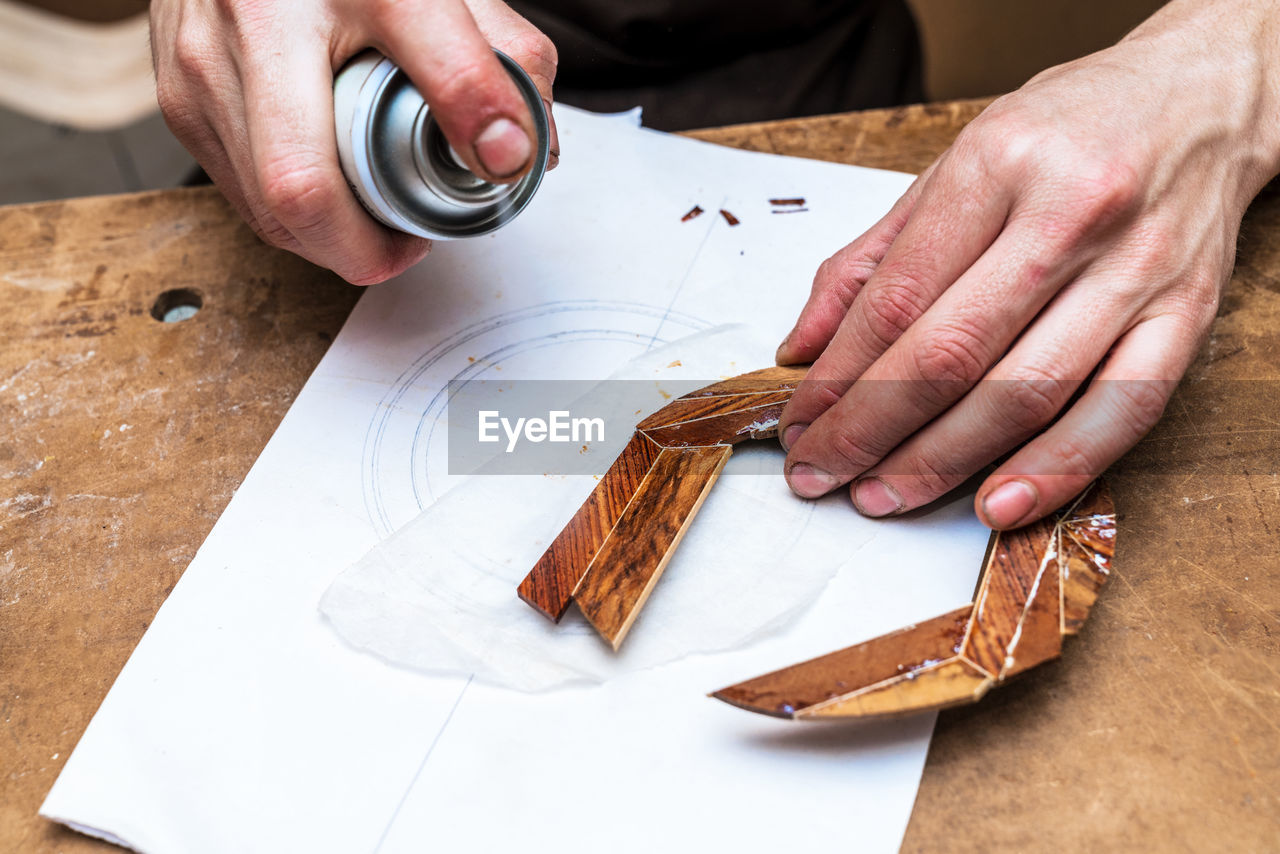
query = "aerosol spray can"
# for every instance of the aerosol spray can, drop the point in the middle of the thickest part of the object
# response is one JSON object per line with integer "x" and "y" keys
{"x": 401, "y": 167}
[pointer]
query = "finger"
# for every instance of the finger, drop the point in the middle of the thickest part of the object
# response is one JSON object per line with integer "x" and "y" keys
{"x": 1120, "y": 406}
{"x": 301, "y": 192}
{"x": 956, "y": 218}
{"x": 1021, "y": 394}
{"x": 475, "y": 101}
{"x": 840, "y": 278}
{"x": 932, "y": 365}
{"x": 511, "y": 33}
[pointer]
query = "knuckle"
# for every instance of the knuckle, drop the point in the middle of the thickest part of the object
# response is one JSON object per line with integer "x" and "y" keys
{"x": 531, "y": 47}
{"x": 849, "y": 452}
{"x": 1070, "y": 456}
{"x": 1007, "y": 144}
{"x": 1142, "y": 402}
{"x": 1103, "y": 190}
{"x": 934, "y": 474}
{"x": 812, "y": 397}
{"x": 891, "y": 307}
{"x": 1192, "y": 301}
{"x": 461, "y": 85}
{"x": 1032, "y": 399}
{"x": 950, "y": 357}
{"x": 193, "y": 57}
{"x": 297, "y": 191}
{"x": 1099, "y": 192}
{"x": 833, "y": 282}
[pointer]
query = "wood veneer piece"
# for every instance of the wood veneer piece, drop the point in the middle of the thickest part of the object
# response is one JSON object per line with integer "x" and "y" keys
{"x": 549, "y": 587}
{"x": 636, "y": 552}
{"x": 1037, "y": 585}
{"x": 615, "y": 548}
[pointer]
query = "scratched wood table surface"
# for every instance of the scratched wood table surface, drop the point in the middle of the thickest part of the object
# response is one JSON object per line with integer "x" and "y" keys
{"x": 123, "y": 438}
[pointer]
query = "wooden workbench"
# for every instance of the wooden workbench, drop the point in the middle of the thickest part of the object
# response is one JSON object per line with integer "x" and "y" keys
{"x": 123, "y": 438}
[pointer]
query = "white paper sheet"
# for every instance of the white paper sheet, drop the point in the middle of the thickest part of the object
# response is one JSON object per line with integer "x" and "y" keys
{"x": 437, "y": 595}
{"x": 242, "y": 723}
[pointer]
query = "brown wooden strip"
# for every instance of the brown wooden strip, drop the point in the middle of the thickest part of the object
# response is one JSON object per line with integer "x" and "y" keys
{"x": 691, "y": 409}
{"x": 1087, "y": 545}
{"x": 1083, "y": 573}
{"x": 1002, "y": 594}
{"x": 1038, "y": 637}
{"x": 756, "y": 422}
{"x": 788, "y": 692}
{"x": 938, "y": 686}
{"x": 636, "y": 552}
{"x": 765, "y": 379}
{"x": 550, "y": 584}
{"x": 1096, "y": 501}
{"x": 1096, "y": 533}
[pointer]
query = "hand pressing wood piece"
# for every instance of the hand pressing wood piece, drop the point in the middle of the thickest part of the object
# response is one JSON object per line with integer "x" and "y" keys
{"x": 613, "y": 551}
{"x": 1037, "y": 585}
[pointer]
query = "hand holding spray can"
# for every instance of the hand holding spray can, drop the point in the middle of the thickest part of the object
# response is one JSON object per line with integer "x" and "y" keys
{"x": 399, "y": 164}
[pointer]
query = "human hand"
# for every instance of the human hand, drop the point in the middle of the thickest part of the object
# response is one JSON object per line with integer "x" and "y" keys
{"x": 247, "y": 86}
{"x": 1074, "y": 239}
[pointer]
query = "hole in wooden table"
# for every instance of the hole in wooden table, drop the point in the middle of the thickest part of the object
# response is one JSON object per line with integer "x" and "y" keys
{"x": 177, "y": 304}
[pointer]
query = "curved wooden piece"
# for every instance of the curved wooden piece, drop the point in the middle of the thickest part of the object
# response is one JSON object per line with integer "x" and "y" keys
{"x": 615, "y": 548}
{"x": 1037, "y": 585}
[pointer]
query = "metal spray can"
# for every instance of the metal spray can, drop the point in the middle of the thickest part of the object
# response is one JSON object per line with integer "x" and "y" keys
{"x": 400, "y": 165}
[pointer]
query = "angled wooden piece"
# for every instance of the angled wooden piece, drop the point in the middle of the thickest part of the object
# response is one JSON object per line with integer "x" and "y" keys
{"x": 615, "y": 548}
{"x": 549, "y": 586}
{"x": 636, "y": 552}
{"x": 1037, "y": 585}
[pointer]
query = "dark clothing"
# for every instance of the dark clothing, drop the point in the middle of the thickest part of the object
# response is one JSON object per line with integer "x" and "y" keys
{"x": 699, "y": 63}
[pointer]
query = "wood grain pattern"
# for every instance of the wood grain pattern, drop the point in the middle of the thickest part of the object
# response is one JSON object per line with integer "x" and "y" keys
{"x": 636, "y": 552}
{"x": 615, "y": 548}
{"x": 1016, "y": 621}
{"x": 778, "y": 378}
{"x": 549, "y": 587}
{"x": 1016, "y": 564}
{"x": 848, "y": 671}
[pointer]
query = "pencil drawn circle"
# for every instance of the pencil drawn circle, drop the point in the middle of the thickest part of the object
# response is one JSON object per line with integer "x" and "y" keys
{"x": 404, "y": 461}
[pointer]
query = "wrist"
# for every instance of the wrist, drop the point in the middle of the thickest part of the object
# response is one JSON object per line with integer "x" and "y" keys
{"x": 1228, "y": 53}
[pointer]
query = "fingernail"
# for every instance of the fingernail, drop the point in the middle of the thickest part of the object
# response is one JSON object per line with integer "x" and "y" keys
{"x": 791, "y": 434}
{"x": 503, "y": 148}
{"x": 553, "y": 156}
{"x": 873, "y": 497}
{"x": 809, "y": 482}
{"x": 1007, "y": 504}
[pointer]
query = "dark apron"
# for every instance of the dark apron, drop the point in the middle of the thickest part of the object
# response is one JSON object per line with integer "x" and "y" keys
{"x": 700, "y": 63}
